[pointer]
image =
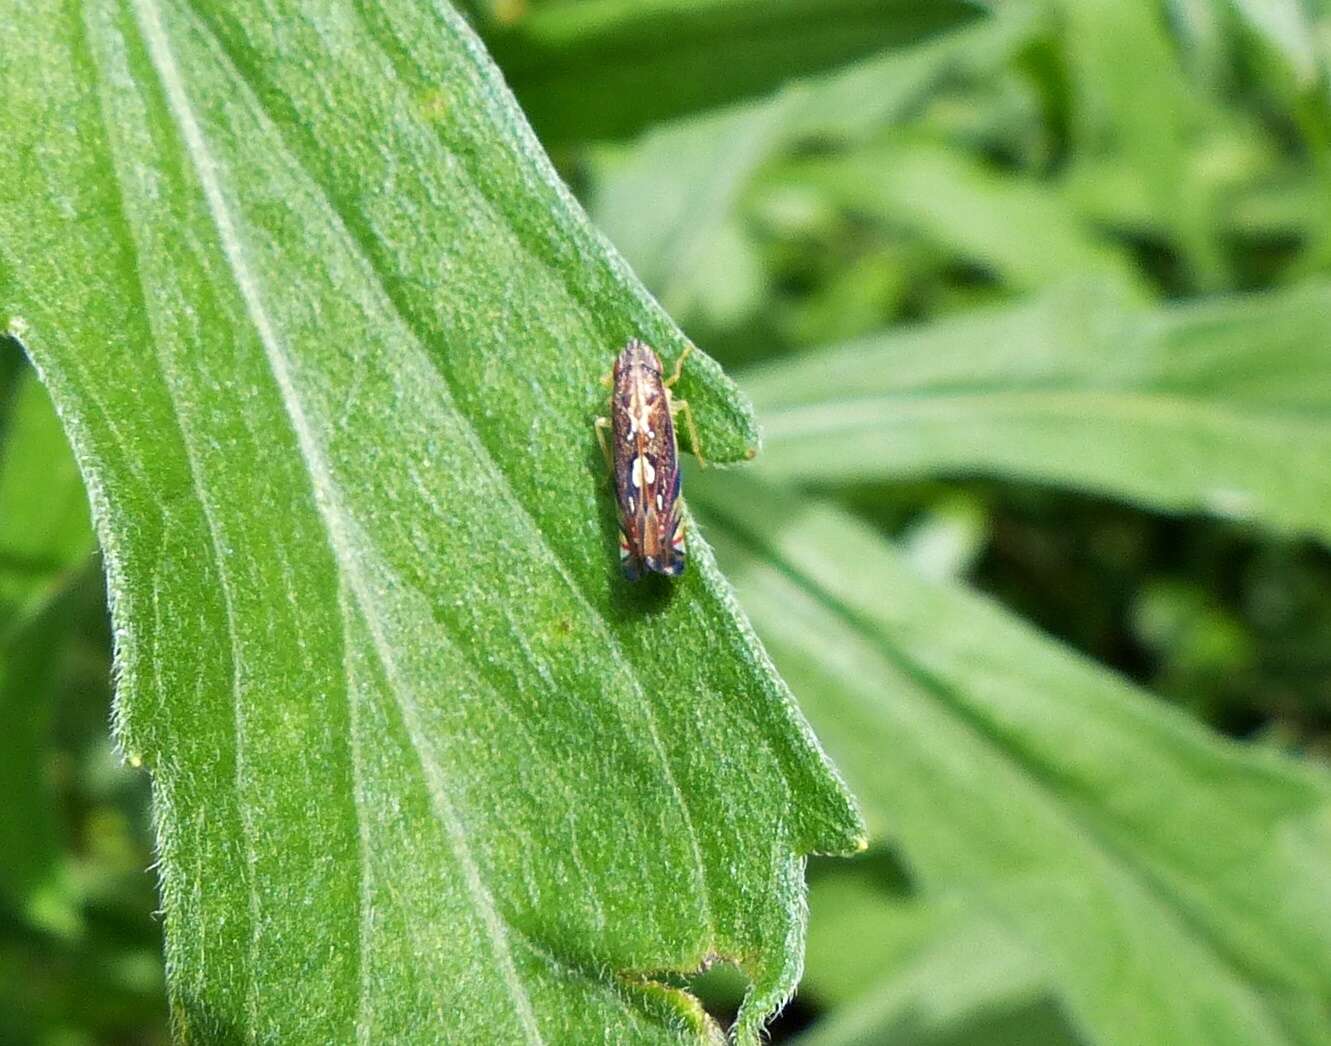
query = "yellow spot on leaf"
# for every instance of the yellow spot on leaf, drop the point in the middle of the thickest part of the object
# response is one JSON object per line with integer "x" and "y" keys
{"x": 435, "y": 105}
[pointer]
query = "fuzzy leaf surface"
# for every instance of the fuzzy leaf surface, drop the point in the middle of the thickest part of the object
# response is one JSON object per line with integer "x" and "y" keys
{"x": 325, "y": 331}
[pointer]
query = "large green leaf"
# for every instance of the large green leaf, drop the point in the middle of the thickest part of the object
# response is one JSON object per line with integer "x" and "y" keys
{"x": 1172, "y": 885}
{"x": 325, "y": 331}
{"x": 1222, "y": 406}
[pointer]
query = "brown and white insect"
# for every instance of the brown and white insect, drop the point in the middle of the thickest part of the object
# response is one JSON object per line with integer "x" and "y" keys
{"x": 645, "y": 459}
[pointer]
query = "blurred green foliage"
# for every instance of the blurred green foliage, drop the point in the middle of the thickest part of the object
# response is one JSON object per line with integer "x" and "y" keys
{"x": 80, "y": 948}
{"x": 789, "y": 175}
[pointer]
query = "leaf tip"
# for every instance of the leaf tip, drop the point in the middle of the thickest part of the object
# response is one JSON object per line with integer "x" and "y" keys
{"x": 728, "y": 422}
{"x": 835, "y": 828}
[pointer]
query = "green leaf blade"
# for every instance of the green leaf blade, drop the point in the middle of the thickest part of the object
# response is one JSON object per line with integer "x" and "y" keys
{"x": 419, "y": 754}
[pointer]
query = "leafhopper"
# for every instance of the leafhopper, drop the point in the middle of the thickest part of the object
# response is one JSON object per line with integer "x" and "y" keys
{"x": 644, "y": 458}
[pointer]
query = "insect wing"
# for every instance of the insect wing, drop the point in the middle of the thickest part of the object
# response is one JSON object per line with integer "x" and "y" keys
{"x": 630, "y": 555}
{"x": 628, "y": 500}
{"x": 673, "y": 545}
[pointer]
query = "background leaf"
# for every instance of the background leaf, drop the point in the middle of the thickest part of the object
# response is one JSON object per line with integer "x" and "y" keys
{"x": 1029, "y": 782}
{"x": 1221, "y": 407}
{"x": 80, "y": 954}
{"x": 689, "y": 245}
{"x": 329, "y": 363}
{"x": 922, "y": 969}
{"x": 1285, "y": 26}
{"x": 43, "y": 542}
{"x": 1013, "y": 227}
{"x": 41, "y": 538}
{"x": 607, "y": 69}
{"x": 1141, "y": 114}
{"x": 967, "y": 982}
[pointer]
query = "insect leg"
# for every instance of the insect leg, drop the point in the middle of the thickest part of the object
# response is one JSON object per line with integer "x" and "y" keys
{"x": 679, "y": 365}
{"x": 601, "y": 425}
{"x": 682, "y": 407}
